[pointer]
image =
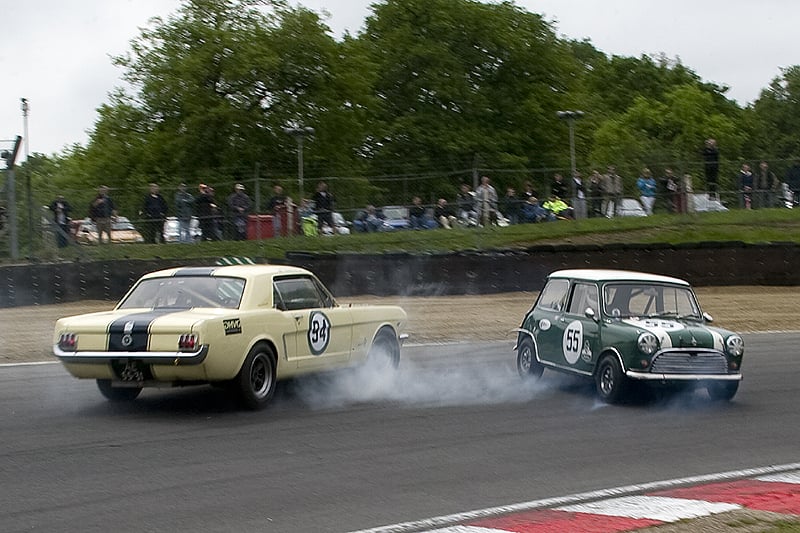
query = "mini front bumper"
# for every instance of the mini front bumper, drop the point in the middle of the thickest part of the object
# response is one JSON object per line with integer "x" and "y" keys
{"x": 157, "y": 358}
{"x": 654, "y": 376}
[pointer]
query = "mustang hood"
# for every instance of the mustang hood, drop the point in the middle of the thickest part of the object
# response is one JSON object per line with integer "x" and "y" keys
{"x": 676, "y": 334}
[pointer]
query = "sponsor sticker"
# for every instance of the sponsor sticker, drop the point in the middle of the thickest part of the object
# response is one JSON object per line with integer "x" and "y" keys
{"x": 319, "y": 332}
{"x": 232, "y": 326}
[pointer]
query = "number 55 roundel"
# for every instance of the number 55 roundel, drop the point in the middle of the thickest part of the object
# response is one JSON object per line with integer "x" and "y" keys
{"x": 572, "y": 342}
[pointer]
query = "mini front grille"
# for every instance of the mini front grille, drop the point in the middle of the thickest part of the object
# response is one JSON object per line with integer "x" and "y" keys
{"x": 689, "y": 362}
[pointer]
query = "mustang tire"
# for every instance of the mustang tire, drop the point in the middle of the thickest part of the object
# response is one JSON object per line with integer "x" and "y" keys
{"x": 255, "y": 383}
{"x": 385, "y": 351}
{"x": 723, "y": 391}
{"x": 117, "y": 394}
{"x": 527, "y": 365}
{"x": 612, "y": 385}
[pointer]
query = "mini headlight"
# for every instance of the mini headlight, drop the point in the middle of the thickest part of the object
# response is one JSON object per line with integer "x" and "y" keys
{"x": 648, "y": 343}
{"x": 735, "y": 345}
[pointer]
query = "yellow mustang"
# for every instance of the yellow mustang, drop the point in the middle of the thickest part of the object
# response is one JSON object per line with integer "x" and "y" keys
{"x": 245, "y": 326}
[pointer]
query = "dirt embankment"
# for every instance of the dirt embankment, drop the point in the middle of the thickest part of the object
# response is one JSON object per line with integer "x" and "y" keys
{"x": 26, "y": 332}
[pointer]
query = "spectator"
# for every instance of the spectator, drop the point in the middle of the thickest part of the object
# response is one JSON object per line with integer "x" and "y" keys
{"x": 669, "y": 185}
{"x": 746, "y": 182}
{"x": 184, "y": 207}
{"x": 207, "y": 212}
{"x": 278, "y": 206}
{"x": 154, "y": 213}
{"x": 486, "y": 204}
{"x": 239, "y": 206}
{"x": 595, "y": 194}
{"x": 511, "y": 206}
{"x": 710, "y": 154}
{"x": 647, "y": 190}
{"x": 579, "y": 196}
{"x": 61, "y": 210}
{"x": 533, "y": 212}
{"x": 444, "y": 215}
{"x": 367, "y": 221}
{"x": 102, "y": 210}
{"x": 323, "y": 206}
{"x": 614, "y": 191}
{"x": 559, "y": 208}
{"x": 416, "y": 215}
{"x": 465, "y": 200}
{"x": 767, "y": 187}
{"x": 793, "y": 182}
{"x": 527, "y": 192}
{"x": 558, "y": 187}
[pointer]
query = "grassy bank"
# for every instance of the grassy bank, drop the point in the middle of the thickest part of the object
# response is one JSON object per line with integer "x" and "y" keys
{"x": 767, "y": 225}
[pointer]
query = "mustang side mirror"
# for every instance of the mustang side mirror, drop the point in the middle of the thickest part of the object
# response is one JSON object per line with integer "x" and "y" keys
{"x": 589, "y": 312}
{"x": 707, "y": 317}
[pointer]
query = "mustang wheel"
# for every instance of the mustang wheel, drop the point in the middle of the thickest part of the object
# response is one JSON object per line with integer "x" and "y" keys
{"x": 256, "y": 380}
{"x": 117, "y": 394}
{"x": 385, "y": 350}
{"x": 527, "y": 365}
{"x": 722, "y": 390}
{"x": 611, "y": 383}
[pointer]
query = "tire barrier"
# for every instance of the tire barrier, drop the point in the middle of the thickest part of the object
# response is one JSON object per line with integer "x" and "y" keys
{"x": 434, "y": 274}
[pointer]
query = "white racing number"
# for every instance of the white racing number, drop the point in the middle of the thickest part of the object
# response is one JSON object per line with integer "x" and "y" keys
{"x": 572, "y": 341}
{"x": 319, "y": 332}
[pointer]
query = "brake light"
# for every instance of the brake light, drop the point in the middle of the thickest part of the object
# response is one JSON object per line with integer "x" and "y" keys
{"x": 68, "y": 342}
{"x": 187, "y": 342}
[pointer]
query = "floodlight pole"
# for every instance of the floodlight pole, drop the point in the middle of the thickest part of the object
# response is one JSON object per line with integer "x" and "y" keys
{"x": 571, "y": 117}
{"x": 11, "y": 158}
{"x": 29, "y": 194}
{"x": 300, "y": 133}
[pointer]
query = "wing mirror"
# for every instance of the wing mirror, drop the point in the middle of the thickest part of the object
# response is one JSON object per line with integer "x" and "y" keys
{"x": 707, "y": 317}
{"x": 589, "y": 312}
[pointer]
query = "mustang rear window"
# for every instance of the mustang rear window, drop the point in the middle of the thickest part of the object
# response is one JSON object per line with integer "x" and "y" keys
{"x": 186, "y": 292}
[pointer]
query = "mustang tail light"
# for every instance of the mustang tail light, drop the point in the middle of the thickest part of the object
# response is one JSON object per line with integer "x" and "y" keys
{"x": 187, "y": 342}
{"x": 68, "y": 342}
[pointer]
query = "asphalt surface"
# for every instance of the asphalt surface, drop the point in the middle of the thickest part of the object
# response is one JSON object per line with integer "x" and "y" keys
{"x": 454, "y": 430}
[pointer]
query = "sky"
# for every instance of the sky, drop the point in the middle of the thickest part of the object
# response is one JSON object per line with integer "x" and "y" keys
{"x": 56, "y": 53}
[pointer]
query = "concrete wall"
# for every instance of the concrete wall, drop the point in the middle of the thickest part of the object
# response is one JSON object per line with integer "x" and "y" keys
{"x": 493, "y": 271}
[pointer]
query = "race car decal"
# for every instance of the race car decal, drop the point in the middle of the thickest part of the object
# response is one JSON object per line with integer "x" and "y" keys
{"x": 232, "y": 326}
{"x": 129, "y": 333}
{"x": 572, "y": 341}
{"x": 319, "y": 332}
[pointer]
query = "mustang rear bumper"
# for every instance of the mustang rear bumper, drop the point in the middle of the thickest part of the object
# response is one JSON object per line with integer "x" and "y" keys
{"x": 157, "y": 358}
{"x": 653, "y": 376}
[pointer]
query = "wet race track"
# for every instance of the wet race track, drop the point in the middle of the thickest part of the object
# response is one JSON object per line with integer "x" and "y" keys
{"x": 454, "y": 430}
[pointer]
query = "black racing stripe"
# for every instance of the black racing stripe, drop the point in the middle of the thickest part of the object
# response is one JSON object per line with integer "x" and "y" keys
{"x": 195, "y": 271}
{"x": 136, "y": 339}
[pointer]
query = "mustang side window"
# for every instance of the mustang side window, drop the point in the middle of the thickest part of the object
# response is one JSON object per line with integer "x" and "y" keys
{"x": 553, "y": 295}
{"x": 296, "y": 293}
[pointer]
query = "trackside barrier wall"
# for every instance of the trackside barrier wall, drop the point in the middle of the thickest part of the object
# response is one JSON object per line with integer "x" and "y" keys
{"x": 406, "y": 274}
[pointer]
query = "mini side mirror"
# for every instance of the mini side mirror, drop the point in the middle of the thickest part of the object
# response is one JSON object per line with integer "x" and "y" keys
{"x": 589, "y": 312}
{"x": 707, "y": 317}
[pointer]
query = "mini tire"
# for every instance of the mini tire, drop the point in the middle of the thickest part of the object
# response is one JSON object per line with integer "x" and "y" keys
{"x": 256, "y": 380}
{"x": 527, "y": 365}
{"x": 117, "y": 394}
{"x": 722, "y": 391}
{"x": 612, "y": 385}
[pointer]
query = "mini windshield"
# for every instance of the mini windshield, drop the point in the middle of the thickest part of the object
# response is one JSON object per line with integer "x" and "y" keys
{"x": 185, "y": 292}
{"x": 650, "y": 300}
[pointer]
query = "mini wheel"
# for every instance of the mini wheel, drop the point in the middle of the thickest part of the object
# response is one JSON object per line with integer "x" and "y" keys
{"x": 612, "y": 385}
{"x": 117, "y": 394}
{"x": 255, "y": 383}
{"x": 527, "y": 365}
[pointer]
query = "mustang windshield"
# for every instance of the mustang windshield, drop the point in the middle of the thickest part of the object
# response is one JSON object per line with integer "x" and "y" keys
{"x": 650, "y": 300}
{"x": 185, "y": 292}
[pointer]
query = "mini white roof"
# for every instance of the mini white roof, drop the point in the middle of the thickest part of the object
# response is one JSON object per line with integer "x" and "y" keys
{"x": 592, "y": 274}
